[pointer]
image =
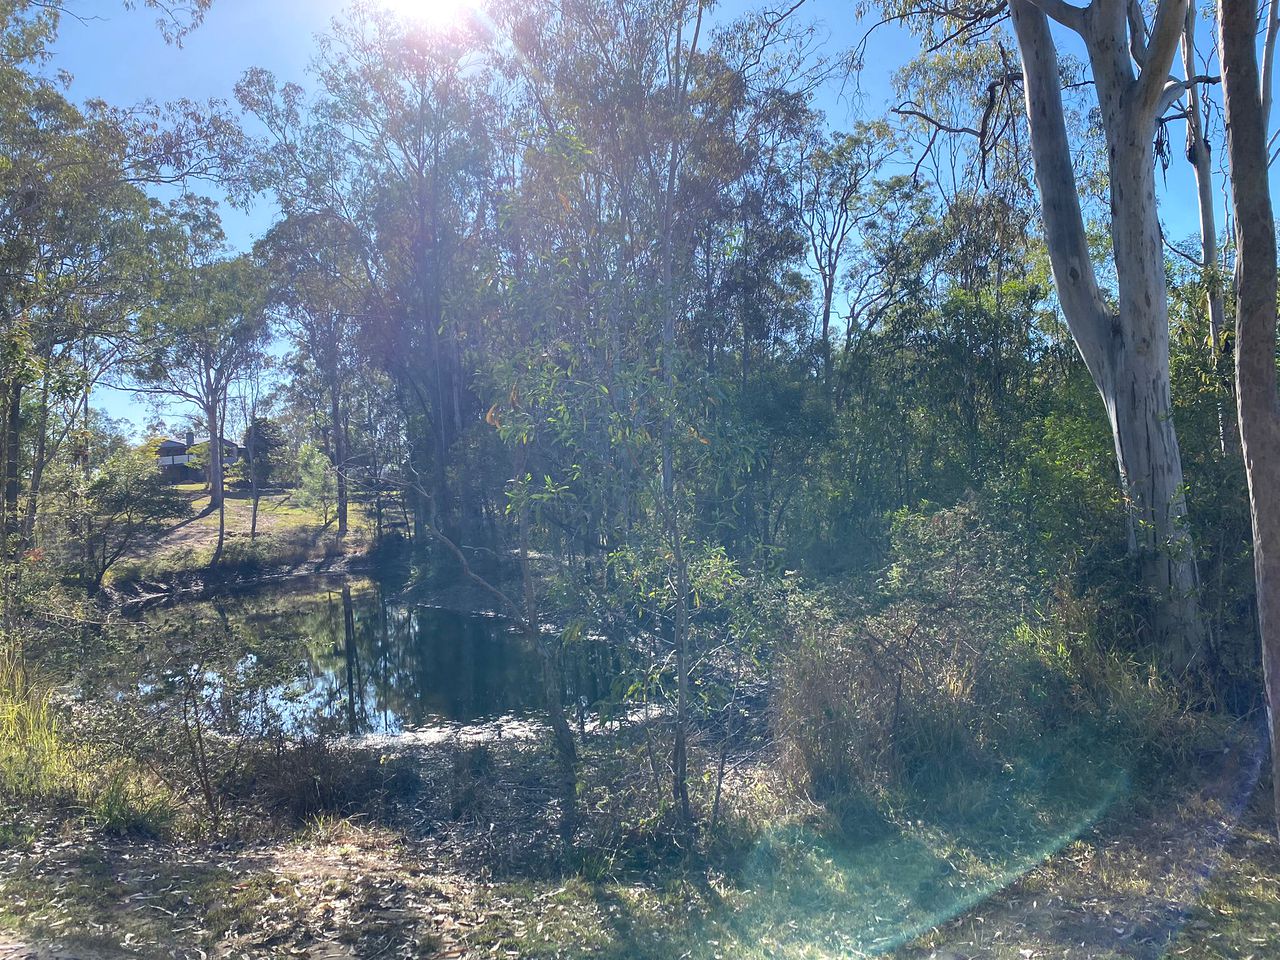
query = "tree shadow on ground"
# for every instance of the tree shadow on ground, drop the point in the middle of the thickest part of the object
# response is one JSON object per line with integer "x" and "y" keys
{"x": 859, "y": 888}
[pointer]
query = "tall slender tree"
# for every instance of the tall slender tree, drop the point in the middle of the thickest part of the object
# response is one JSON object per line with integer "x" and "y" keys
{"x": 201, "y": 337}
{"x": 1244, "y": 95}
{"x": 1124, "y": 344}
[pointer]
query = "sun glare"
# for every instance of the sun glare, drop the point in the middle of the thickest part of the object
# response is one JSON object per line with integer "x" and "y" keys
{"x": 438, "y": 14}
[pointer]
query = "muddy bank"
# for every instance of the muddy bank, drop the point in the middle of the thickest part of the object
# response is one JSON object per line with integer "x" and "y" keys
{"x": 230, "y": 578}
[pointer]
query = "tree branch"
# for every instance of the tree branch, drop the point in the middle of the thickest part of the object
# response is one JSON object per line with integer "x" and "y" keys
{"x": 1068, "y": 15}
{"x": 1075, "y": 278}
{"x": 1269, "y": 59}
{"x": 1161, "y": 48}
{"x": 1174, "y": 89}
{"x": 906, "y": 110}
{"x": 1137, "y": 33}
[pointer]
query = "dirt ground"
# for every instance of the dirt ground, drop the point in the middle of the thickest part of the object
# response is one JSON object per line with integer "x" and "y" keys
{"x": 1196, "y": 875}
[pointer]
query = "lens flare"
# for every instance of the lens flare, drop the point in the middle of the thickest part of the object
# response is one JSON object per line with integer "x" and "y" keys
{"x": 436, "y": 14}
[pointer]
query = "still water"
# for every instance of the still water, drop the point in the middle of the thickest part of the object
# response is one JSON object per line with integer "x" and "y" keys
{"x": 344, "y": 655}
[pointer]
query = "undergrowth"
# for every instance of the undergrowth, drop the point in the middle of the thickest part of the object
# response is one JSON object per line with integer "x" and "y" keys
{"x": 958, "y": 681}
{"x": 42, "y": 768}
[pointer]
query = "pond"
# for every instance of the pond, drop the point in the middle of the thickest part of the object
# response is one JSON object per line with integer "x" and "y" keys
{"x": 344, "y": 656}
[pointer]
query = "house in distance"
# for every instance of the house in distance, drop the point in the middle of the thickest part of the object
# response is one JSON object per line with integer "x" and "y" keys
{"x": 187, "y": 460}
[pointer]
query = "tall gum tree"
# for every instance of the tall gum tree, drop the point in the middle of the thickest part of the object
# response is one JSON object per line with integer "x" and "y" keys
{"x": 202, "y": 335}
{"x": 1246, "y": 100}
{"x": 1199, "y": 155}
{"x": 1124, "y": 344}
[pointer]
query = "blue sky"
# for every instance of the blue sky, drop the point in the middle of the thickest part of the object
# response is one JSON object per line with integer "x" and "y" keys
{"x": 117, "y": 55}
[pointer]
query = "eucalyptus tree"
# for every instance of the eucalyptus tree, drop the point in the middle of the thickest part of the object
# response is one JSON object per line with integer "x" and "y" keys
{"x": 834, "y": 178}
{"x": 320, "y": 297}
{"x": 75, "y": 262}
{"x": 655, "y": 249}
{"x": 202, "y": 334}
{"x": 1124, "y": 342}
{"x": 1197, "y": 112}
{"x": 78, "y": 235}
{"x": 396, "y": 146}
{"x": 262, "y": 438}
{"x": 1246, "y": 96}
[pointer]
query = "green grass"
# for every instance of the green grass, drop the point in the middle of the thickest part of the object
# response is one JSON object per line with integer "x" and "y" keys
{"x": 42, "y": 768}
{"x": 288, "y": 534}
{"x": 35, "y": 761}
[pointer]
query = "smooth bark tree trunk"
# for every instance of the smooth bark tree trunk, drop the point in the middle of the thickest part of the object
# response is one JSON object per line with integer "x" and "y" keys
{"x": 1200, "y": 157}
{"x": 339, "y": 452}
{"x": 828, "y": 297}
{"x": 254, "y": 492}
{"x": 12, "y": 463}
{"x": 1256, "y": 388}
{"x": 212, "y": 419}
{"x": 217, "y": 496}
{"x": 1139, "y": 400}
{"x": 678, "y": 622}
{"x": 38, "y": 463}
{"x": 1126, "y": 348}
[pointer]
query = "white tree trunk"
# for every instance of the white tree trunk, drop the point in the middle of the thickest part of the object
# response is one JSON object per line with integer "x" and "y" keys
{"x": 1259, "y": 406}
{"x": 1198, "y": 155}
{"x": 1125, "y": 349}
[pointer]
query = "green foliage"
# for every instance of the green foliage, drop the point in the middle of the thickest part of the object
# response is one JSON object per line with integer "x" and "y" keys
{"x": 1204, "y": 407}
{"x": 317, "y": 481}
{"x": 43, "y": 766}
{"x": 36, "y": 764}
{"x": 128, "y": 502}
{"x": 959, "y": 668}
{"x": 770, "y": 428}
{"x": 264, "y": 443}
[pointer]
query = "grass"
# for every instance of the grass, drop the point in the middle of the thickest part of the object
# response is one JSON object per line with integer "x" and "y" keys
{"x": 35, "y": 762}
{"x": 288, "y": 534}
{"x": 42, "y": 769}
{"x": 1030, "y": 875}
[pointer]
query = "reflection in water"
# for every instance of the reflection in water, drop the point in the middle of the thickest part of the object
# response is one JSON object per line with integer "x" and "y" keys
{"x": 370, "y": 665}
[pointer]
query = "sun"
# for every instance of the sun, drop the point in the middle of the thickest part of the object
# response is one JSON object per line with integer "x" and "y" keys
{"x": 436, "y": 14}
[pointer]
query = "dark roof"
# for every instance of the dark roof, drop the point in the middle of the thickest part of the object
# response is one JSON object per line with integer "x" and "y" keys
{"x": 171, "y": 442}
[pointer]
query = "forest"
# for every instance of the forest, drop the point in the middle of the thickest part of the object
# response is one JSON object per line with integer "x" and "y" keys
{"x": 622, "y": 499}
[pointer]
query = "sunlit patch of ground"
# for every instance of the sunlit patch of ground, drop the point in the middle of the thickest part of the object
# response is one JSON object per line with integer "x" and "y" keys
{"x": 287, "y": 532}
{"x": 335, "y": 892}
{"x": 1066, "y": 862}
{"x": 800, "y": 893}
{"x": 1157, "y": 882}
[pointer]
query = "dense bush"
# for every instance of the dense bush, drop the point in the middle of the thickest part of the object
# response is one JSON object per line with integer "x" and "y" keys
{"x": 956, "y": 664}
{"x": 895, "y": 687}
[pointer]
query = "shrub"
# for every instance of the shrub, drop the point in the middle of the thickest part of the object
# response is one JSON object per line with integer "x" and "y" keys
{"x": 44, "y": 768}
{"x": 953, "y": 667}
{"x": 35, "y": 762}
{"x": 903, "y": 687}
